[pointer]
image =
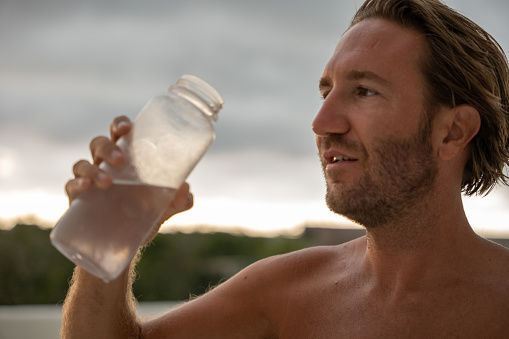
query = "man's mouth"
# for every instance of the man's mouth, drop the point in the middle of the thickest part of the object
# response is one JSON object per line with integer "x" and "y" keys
{"x": 340, "y": 158}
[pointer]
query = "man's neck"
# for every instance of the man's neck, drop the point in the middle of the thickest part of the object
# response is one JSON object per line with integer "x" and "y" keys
{"x": 422, "y": 247}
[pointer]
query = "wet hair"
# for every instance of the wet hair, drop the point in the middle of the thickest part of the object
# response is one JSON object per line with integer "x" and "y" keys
{"x": 463, "y": 64}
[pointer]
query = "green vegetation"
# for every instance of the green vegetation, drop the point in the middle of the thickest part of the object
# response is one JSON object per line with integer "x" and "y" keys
{"x": 173, "y": 267}
{"x": 31, "y": 270}
{"x": 176, "y": 266}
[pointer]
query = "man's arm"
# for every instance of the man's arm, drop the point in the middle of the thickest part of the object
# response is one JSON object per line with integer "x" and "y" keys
{"x": 244, "y": 306}
{"x": 95, "y": 309}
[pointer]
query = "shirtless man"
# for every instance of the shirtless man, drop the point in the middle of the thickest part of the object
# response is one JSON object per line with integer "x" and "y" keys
{"x": 414, "y": 113}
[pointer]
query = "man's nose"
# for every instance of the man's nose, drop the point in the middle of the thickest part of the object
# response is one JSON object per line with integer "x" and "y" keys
{"x": 331, "y": 118}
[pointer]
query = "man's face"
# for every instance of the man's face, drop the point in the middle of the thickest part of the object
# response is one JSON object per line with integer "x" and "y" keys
{"x": 371, "y": 132}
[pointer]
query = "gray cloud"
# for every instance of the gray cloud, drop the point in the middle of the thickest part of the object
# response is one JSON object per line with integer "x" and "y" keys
{"x": 68, "y": 67}
{"x": 83, "y": 65}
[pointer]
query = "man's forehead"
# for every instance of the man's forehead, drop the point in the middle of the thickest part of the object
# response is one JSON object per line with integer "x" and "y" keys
{"x": 377, "y": 34}
{"x": 373, "y": 43}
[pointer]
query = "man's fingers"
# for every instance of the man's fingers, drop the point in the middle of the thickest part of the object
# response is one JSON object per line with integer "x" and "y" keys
{"x": 183, "y": 199}
{"x": 119, "y": 127}
{"x": 85, "y": 170}
{"x": 103, "y": 149}
{"x": 76, "y": 186}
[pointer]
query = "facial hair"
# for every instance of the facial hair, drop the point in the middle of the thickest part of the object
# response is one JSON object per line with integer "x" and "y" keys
{"x": 399, "y": 174}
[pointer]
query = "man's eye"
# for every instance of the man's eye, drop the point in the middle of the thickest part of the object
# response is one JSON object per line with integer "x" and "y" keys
{"x": 324, "y": 94}
{"x": 364, "y": 92}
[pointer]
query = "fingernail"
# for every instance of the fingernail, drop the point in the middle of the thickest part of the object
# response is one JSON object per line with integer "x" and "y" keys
{"x": 115, "y": 156}
{"x": 122, "y": 124}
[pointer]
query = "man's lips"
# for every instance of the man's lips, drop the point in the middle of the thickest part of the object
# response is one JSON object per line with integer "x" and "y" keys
{"x": 335, "y": 157}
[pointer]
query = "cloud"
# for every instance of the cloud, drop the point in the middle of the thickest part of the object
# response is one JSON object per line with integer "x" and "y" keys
{"x": 68, "y": 67}
{"x": 85, "y": 64}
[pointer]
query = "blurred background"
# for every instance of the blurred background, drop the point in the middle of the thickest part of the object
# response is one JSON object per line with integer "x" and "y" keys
{"x": 67, "y": 68}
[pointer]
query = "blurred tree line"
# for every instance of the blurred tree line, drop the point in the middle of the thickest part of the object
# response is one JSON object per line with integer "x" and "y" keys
{"x": 174, "y": 267}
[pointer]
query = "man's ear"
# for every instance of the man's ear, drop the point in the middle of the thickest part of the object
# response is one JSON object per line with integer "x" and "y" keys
{"x": 460, "y": 125}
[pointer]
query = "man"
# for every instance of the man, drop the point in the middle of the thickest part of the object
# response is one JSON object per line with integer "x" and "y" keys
{"x": 415, "y": 111}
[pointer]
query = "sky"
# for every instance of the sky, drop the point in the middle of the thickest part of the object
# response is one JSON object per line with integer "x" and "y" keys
{"x": 67, "y": 68}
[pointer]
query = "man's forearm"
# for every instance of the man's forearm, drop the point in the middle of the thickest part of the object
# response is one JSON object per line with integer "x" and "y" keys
{"x": 95, "y": 309}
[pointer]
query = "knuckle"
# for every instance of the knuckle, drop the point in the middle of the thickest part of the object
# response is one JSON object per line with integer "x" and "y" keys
{"x": 98, "y": 141}
{"x": 84, "y": 169}
{"x": 79, "y": 165}
{"x": 99, "y": 146}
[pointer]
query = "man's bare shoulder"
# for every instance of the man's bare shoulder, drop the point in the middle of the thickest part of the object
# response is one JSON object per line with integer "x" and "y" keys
{"x": 255, "y": 299}
{"x": 319, "y": 254}
{"x": 498, "y": 250}
{"x": 495, "y": 265}
{"x": 308, "y": 263}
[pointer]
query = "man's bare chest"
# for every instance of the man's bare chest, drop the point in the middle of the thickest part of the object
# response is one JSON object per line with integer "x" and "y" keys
{"x": 323, "y": 317}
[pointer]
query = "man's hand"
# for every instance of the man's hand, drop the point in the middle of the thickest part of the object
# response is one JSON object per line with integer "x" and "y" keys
{"x": 104, "y": 149}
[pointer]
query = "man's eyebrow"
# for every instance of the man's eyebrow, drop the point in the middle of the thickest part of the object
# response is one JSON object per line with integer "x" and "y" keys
{"x": 358, "y": 75}
{"x": 324, "y": 83}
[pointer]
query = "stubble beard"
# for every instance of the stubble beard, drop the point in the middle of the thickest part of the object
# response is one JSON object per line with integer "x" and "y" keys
{"x": 400, "y": 174}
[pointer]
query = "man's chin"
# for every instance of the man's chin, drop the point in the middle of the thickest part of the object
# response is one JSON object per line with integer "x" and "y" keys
{"x": 337, "y": 206}
{"x": 362, "y": 213}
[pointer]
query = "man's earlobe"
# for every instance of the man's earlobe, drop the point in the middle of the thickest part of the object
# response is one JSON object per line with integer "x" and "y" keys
{"x": 463, "y": 124}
